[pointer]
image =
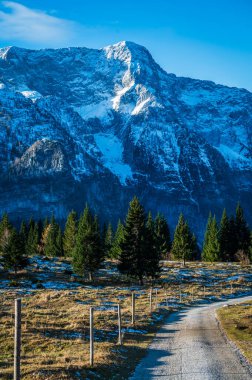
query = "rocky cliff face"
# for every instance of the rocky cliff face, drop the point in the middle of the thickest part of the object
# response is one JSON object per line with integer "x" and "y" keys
{"x": 81, "y": 125}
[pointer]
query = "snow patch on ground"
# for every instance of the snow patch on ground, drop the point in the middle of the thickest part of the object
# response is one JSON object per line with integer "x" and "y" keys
{"x": 134, "y": 331}
{"x": 112, "y": 156}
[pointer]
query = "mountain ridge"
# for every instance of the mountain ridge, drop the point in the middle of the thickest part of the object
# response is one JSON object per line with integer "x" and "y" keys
{"x": 113, "y": 115}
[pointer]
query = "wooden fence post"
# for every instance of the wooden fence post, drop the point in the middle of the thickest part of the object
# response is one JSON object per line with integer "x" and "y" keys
{"x": 17, "y": 343}
{"x": 119, "y": 325}
{"x": 133, "y": 308}
{"x": 156, "y": 298}
{"x": 91, "y": 326}
{"x": 150, "y": 300}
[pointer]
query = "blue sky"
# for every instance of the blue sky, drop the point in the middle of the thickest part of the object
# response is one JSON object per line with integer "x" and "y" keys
{"x": 205, "y": 39}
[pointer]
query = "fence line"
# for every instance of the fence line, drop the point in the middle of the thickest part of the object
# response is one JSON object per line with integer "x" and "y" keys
{"x": 17, "y": 339}
{"x": 131, "y": 309}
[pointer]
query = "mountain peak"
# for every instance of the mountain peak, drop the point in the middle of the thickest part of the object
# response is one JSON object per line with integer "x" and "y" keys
{"x": 126, "y": 50}
{"x": 9, "y": 52}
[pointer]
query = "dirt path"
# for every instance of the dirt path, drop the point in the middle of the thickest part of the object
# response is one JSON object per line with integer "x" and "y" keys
{"x": 190, "y": 346}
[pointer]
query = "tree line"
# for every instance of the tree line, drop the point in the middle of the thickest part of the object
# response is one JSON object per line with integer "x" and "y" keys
{"x": 138, "y": 244}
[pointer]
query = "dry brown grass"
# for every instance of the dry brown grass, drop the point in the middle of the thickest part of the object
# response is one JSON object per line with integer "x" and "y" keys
{"x": 55, "y": 325}
{"x": 55, "y": 332}
{"x": 236, "y": 321}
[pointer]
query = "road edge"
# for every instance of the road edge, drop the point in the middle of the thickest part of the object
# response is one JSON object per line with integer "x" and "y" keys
{"x": 242, "y": 358}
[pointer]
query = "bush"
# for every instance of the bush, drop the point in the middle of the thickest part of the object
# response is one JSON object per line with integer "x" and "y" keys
{"x": 242, "y": 257}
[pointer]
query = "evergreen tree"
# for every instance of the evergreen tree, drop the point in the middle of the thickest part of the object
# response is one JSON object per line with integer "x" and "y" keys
{"x": 116, "y": 250}
{"x": 108, "y": 241}
{"x": 153, "y": 255}
{"x": 228, "y": 238}
{"x": 224, "y": 237}
{"x": 211, "y": 245}
{"x": 40, "y": 229}
{"x": 250, "y": 247}
{"x": 44, "y": 239}
{"x": 233, "y": 243}
{"x": 23, "y": 234}
{"x": 195, "y": 248}
{"x": 96, "y": 226}
{"x": 32, "y": 244}
{"x": 69, "y": 238}
{"x": 132, "y": 260}
{"x": 5, "y": 230}
{"x": 12, "y": 252}
{"x": 163, "y": 237}
{"x": 184, "y": 244}
{"x": 53, "y": 243}
{"x": 242, "y": 230}
{"x": 103, "y": 237}
{"x": 4, "y": 225}
{"x": 46, "y": 223}
{"x": 59, "y": 242}
{"x": 88, "y": 252}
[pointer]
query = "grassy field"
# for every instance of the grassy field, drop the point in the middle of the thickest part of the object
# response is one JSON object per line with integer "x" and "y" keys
{"x": 55, "y": 315}
{"x": 237, "y": 323}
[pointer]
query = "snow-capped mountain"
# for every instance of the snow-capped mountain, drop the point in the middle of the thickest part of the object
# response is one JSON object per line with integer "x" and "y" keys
{"x": 81, "y": 125}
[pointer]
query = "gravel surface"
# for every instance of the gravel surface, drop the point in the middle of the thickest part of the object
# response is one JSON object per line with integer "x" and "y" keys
{"x": 190, "y": 346}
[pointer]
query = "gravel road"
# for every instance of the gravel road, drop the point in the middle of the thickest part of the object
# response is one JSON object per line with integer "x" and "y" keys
{"x": 190, "y": 346}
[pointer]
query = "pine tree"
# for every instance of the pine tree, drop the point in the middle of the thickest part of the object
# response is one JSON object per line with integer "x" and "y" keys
{"x": 23, "y": 234}
{"x": 70, "y": 233}
{"x": 44, "y": 239}
{"x": 211, "y": 245}
{"x": 108, "y": 241}
{"x": 53, "y": 243}
{"x": 195, "y": 248}
{"x": 133, "y": 247}
{"x": 227, "y": 238}
{"x": 233, "y": 242}
{"x": 250, "y": 248}
{"x": 96, "y": 226}
{"x": 5, "y": 230}
{"x": 184, "y": 244}
{"x": 116, "y": 250}
{"x": 46, "y": 223}
{"x": 12, "y": 253}
{"x": 163, "y": 237}
{"x": 32, "y": 244}
{"x": 59, "y": 242}
{"x": 4, "y": 225}
{"x": 242, "y": 230}
{"x": 88, "y": 252}
{"x": 153, "y": 255}
{"x": 40, "y": 229}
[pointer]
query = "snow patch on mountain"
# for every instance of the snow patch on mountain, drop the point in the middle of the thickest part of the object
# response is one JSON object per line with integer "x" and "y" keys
{"x": 112, "y": 156}
{"x": 33, "y": 95}
{"x": 234, "y": 159}
{"x": 116, "y": 101}
{"x": 98, "y": 110}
